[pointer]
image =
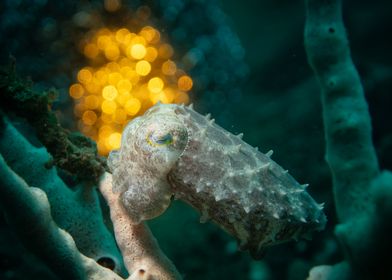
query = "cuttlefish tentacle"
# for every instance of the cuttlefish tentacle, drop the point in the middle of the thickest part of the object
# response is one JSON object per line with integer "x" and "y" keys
{"x": 148, "y": 204}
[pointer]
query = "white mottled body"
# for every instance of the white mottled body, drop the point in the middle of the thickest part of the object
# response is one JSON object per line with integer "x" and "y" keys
{"x": 227, "y": 180}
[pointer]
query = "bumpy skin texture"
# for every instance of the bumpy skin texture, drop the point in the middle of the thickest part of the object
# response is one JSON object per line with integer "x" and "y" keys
{"x": 174, "y": 151}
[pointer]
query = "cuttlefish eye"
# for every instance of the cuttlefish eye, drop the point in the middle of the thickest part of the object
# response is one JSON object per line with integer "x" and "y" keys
{"x": 155, "y": 139}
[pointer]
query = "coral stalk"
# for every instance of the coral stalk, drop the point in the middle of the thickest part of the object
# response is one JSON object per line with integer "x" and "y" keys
{"x": 362, "y": 194}
{"x": 350, "y": 152}
{"x": 78, "y": 212}
{"x": 28, "y": 211}
{"x": 142, "y": 255}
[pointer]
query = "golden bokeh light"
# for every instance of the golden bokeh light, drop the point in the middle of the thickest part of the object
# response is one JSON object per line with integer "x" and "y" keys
{"x": 91, "y": 102}
{"x": 132, "y": 106}
{"x": 137, "y": 51}
{"x": 114, "y": 140}
{"x": 112, "y": 52}
{"x": 155, "y": 85}
{"x": 124, "y": 86}
{"x": 76, "y": 91}
{"x": 129, "y": 73}
{"x": 165, "y": 51}
{"x": 112, "y": 5}
{"x": 89, "y": 117}
{"x": 143, "y": 68}
{"x": 91, "y": 51}
{"x": 84, "y": 76}
{"x": 151, "y": 54}
{"x": 109, "y": 92}
{"x": 169, "y": 68}
{"x": 185, "y": 83}
{"x": 109, "y": 107}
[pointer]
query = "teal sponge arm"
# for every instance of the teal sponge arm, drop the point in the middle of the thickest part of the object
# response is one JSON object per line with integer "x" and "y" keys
{"x": 349, "y": 152}
{"x": 28, "y": 210}
{"x": 362, "y": 194}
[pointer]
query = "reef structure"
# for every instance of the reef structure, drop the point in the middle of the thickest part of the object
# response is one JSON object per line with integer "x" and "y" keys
{"x": 63, "y": 223}
{"x": 362, "y": 193}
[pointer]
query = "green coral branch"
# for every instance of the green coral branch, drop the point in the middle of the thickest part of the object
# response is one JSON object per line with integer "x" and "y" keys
{"x": 78, "y": 212}
{"x": 350, "y": 152}
{"x": 142, "y": 255}
{"x": 28, "y": 211}
{"x": 72, "y": 152}
{"x": 363, "y": 195}
{"x": 36, "y": 224}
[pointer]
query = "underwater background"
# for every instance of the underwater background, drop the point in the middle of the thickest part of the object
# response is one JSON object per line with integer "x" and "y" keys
{"x": 243, "y": 62}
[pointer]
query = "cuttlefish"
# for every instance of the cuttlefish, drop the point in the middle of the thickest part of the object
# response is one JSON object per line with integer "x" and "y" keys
{"x": 174, "y": 152}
